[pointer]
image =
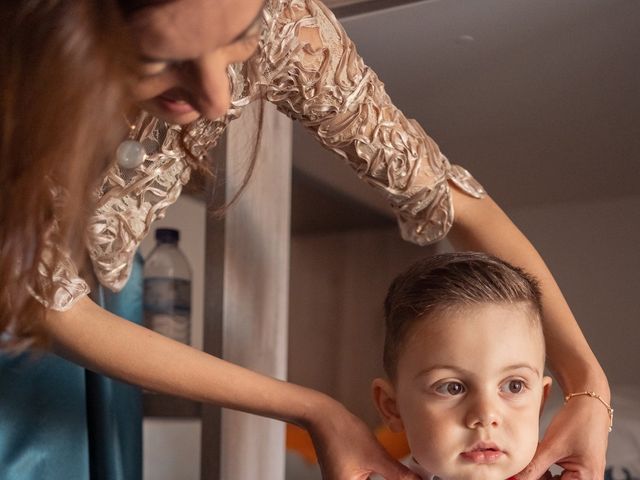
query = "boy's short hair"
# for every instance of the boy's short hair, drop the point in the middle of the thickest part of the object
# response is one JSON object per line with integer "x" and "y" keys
{"x": 451, "y": 280}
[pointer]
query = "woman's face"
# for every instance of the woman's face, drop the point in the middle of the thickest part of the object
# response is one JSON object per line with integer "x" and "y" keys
{"x": 185, "y": 47}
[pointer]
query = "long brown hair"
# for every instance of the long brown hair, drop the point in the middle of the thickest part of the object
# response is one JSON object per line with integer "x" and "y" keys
{"x": 63, "y": 86}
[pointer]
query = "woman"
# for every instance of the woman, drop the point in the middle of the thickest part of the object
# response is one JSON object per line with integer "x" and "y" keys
{"x": 308, "y": 67}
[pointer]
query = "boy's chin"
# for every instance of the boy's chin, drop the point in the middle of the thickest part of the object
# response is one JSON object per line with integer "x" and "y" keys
{"x": 478, "y": 476}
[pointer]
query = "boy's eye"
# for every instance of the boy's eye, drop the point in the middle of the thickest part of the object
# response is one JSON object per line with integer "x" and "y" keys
{"x": 450, "y": 388}
{"x": 514, "y": 386}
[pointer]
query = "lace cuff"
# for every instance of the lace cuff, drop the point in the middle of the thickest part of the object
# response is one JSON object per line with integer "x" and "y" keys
{"x": 60, "y": 280}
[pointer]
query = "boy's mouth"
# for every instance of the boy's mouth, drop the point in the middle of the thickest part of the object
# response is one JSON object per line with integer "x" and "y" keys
{"x": 483, "y": 453}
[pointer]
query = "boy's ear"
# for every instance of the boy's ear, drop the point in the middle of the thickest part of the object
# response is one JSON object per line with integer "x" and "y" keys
{"x": 384, "y": 398}
{"x": 546, "y": 390}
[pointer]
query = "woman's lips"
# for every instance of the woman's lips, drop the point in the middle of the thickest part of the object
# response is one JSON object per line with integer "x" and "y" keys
{"x": 175, "y": 102}
{"x": 483, "y": 453}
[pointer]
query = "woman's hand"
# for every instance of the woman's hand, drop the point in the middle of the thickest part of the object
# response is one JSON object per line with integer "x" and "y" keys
{"x": 576, "y": 440}
{"x": 346, "y": 448}
{"x": 577, "y": 436}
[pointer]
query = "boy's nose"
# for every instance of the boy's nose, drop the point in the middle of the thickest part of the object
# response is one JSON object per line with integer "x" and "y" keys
{"x": 483, "y": 412}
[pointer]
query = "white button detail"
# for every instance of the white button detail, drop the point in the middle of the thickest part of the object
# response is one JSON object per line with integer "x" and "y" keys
{"x": 130, "y": 154}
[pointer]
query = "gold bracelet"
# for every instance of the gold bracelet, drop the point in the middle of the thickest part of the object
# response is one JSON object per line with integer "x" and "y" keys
{"x": 593, "y": 395}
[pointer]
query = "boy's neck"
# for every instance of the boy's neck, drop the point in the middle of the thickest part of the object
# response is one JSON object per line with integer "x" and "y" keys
{"x": 424, "y": 475}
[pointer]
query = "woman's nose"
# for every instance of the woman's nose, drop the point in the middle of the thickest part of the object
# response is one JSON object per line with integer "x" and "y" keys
{"x": 483, "y": 412}
{"x": 211, "y": 88}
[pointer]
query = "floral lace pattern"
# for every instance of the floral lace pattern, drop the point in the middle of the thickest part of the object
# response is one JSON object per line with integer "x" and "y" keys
{"x": 326, "y": 86}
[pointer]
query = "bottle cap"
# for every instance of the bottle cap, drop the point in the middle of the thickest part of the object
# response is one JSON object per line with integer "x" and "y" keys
{"x": 167, "y": 235}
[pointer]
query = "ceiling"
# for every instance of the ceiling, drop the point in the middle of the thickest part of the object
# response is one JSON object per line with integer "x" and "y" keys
{"x": 539, "y": 99}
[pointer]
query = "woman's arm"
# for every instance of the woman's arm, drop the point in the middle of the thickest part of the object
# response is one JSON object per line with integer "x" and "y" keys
{"x": 321, "y": 81}
{"x": 577, "y": 438}
{"x": 105, "y": 343}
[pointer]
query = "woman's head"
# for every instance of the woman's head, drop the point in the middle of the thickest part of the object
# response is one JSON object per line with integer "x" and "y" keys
{"x": 185, "y": 47}
{"x": 63, "y": 81}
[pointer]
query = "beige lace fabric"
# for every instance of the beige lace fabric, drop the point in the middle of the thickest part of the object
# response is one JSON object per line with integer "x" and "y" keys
{"x": 308, "y": 67}
{"x": 61, "y": 279}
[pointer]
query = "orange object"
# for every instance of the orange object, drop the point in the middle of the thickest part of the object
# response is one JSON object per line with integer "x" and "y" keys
{"x": 299, "y": 441}
{"x": 393, "y": 442}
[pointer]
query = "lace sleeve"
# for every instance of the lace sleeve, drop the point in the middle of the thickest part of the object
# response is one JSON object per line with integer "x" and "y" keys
{"x": 326, "y": 86}
{"x": 129, "y": 201}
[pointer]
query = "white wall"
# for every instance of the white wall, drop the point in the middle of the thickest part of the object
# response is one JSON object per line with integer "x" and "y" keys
{"x": 593, "y": 250}
{"x": 171, "y": 449}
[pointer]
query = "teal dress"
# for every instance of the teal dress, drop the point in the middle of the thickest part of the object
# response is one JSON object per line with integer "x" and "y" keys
{"x": 59, "y": 421}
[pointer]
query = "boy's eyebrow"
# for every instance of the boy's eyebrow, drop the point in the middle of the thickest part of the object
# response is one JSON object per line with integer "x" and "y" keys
{"x": 467, "y": 372}
{"x": 522, "y": 365}
{"x": 426, "y": 371}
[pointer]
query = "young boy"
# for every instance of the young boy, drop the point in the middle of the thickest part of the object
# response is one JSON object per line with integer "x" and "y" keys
{"x": 464, "y": 355}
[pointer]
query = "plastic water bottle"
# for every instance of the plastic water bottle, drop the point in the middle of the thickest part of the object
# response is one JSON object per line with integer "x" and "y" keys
{"x": 167, "y": 288}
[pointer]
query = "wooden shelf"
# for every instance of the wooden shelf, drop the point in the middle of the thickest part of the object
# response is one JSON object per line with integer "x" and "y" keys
{"x": 166, "y": 406}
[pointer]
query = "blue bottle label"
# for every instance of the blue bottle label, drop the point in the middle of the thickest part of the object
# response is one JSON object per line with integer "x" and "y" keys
{"x": 167, "y": 295}
{"x": 167, "y": 307}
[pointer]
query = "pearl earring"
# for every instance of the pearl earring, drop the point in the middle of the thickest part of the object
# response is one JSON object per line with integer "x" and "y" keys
{"x": 130, "y": 153}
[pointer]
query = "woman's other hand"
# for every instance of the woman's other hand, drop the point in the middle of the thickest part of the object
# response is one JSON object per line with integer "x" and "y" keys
{"x": 576, "y": 440}
{"x": 346, "y": 448}
{"x": 577, "y": 437}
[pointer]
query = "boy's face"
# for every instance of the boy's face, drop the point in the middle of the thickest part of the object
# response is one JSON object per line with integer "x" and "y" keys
{"x": 468, "y": 391}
